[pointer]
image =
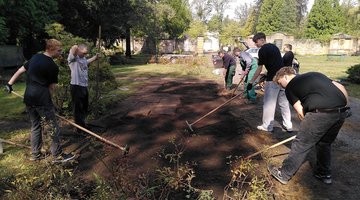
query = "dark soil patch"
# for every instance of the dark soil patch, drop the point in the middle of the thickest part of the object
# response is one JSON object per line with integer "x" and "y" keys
{"x": 148, "y": 120}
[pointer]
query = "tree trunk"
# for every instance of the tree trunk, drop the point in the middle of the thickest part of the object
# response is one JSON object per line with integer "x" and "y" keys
{"x": 128, "y": 42}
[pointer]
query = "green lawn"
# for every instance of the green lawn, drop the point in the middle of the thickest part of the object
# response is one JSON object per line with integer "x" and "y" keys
{"x": 10, "y": 105}
{"x": 335, "y": 69}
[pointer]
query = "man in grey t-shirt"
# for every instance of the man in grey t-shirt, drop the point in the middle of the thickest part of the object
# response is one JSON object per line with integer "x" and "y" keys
{"x": 79, "y": 81}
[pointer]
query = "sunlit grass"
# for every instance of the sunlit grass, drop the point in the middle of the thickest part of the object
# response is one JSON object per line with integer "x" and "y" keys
{"x": 335, "y": 69}
{"x": 11, "y": 105}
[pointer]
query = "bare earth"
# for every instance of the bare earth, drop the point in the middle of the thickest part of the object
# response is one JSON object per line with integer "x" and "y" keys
{"x": 148, "y": 120}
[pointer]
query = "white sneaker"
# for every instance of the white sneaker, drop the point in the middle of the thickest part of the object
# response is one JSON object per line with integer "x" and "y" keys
{"x": 261, "y": 128}
{"x": 289, "y": 130}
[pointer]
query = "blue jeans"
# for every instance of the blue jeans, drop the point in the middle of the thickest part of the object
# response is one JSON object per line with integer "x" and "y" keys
{"x": 43, "y": 117}
{"x": 275, "y": 94}
{"x": 319, "y": 130}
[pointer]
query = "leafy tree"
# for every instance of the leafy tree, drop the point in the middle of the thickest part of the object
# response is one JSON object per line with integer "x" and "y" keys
{"x": 230, "y": 32}
{"x": 242, "y": 13}
{"x": 202, "y": 9}
{"x": 301, "y": 10}
{"x": 215, "y": 23}
{"x": 176, "y": 25}
{"x": 4, "y": 31}
{"x": 197, "y": 28}
{"x": 270, "y": 18}
{"x": 27, "y": 19}
{"x": 352, "y": 16}
{"x": 250, "y": 25}
{"x": 288, "y": 23}
{"x": 325, "y": 18}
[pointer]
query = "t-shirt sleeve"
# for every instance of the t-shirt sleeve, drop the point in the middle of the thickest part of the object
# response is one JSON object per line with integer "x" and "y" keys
{"x": 262, "y": 56}
{"x": 71, "y": 58}
{"x": 291, "y": 97}
{"x": 26, "y": 65}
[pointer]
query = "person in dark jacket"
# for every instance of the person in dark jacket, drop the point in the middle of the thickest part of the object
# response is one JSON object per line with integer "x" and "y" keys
{"x": 229, "y": 65}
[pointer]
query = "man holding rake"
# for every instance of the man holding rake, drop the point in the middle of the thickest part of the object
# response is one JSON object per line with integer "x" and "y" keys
{"x": 322, "y": 105}
{"x": 249, "y": 66}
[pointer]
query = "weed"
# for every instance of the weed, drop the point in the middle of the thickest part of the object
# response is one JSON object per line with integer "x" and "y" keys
{"x": 247, "y": 182}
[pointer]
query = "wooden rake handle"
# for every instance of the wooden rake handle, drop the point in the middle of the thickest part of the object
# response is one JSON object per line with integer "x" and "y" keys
{"x": 270, "y": 147}
{"x": 125, "y": 149}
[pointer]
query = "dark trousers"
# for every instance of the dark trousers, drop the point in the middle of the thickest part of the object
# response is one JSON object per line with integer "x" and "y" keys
{"x": 319, "y": 130}
{"x": 43, "y": 118}
{"x": 229, "y": 76}
{"x": 80, "y": 104}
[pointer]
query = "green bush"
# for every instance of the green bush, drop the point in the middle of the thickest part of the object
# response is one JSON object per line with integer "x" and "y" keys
{"x": 101, "y": 79}
{"x": 354, "y": 74}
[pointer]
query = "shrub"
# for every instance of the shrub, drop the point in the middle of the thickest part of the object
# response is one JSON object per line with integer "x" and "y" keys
{"x": 354, "y": 74}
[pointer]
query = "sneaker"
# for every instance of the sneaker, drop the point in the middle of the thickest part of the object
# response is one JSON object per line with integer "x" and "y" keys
{"x": 64, "y": 157}
{"x": 276, "y": 173}
{"x": 289, "y": 130}
{"x": 38, "y": 157}
{"x": 324, "y": 178}
{"x": 261, "y": 128}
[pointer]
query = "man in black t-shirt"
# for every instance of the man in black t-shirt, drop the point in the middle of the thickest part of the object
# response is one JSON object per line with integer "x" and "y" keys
{"x": 288, "y": 56}
{"x": 321, "y": 104}
{"x": 229, "y": 65}
{"x": 270, "y": 57}
{"x": 42, "y": 76}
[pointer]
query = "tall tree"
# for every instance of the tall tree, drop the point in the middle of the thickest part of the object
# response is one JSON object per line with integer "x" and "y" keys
{"x": 325, "y": 18}
{"x": 251, "y": 22}
{"x": 197, "y": 28}
{"x": 230, "y": 32}
{"x": 301, "y": 10}
{"x": 242, "y": 13}
{"x": 26, "y": 21}
{"x": 352, "y": 16}
{"x": 202, "y": 9}
{"x": 270, "y": 18}
{"x": 4, "y": 31}
{"x": 176, "y": 25}
{"x": 288, "y": 16}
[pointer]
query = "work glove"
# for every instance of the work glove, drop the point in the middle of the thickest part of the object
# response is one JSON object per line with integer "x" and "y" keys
{"x": 8, "y": 88}
{"x": 249, "y": 86}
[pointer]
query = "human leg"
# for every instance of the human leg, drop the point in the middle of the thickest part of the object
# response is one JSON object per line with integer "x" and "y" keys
{"x": 80, "y": 104}
{"x": 285, "y": 110}
{"x": 36, "y": 135}
{"x": 312, "y": 130}
{"x": 323, "y": 148}
{"x": 251, "y": 95}
{"x": 47, "y": 114}
{"x": 229, "y": 76}
{"x": 270, "y": 98}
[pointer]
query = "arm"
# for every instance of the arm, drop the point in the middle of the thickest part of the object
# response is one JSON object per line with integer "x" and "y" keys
{"x": 52, "y": 88}
{"x": 343, "y": 90}
{"x": 299, "y": 109}
{"x": 16, "y": 75}
{"x": 257, "y": 73}
{"x": 92, "y": 59}
{"x": 72, "y": 54}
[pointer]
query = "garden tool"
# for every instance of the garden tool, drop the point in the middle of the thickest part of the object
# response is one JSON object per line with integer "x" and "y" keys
{"x": 270, "y": 147}
{"x": 125, "y": 149}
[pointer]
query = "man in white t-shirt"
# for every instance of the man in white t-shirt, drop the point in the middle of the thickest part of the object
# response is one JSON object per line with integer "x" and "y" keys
{"x": 79, "y": 82}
